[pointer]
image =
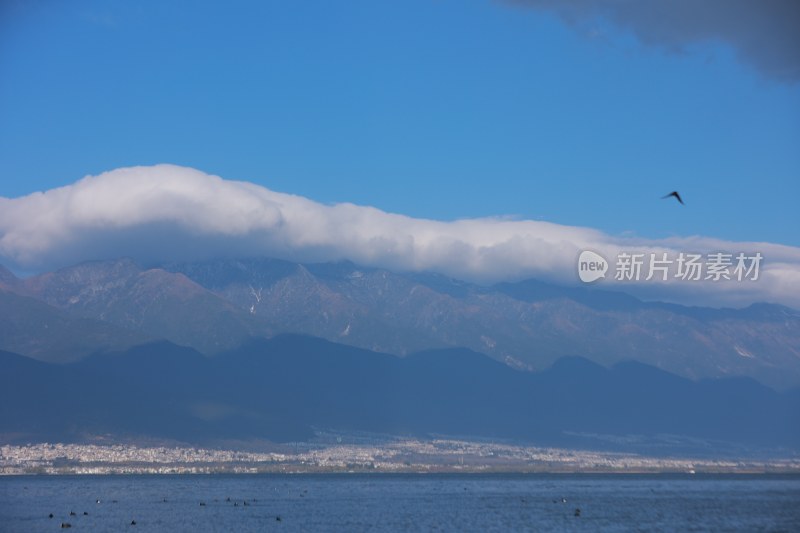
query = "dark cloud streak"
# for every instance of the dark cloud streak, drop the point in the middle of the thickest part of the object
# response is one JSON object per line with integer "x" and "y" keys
{"x": 764, "y": 33}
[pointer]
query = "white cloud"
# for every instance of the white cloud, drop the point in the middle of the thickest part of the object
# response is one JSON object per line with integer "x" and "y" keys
{"x": 169, "y": 213}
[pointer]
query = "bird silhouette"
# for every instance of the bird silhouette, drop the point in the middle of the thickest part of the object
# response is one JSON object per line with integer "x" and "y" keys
{"x": 676, "y": 195}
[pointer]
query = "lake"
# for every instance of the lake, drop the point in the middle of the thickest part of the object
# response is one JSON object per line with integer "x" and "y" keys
{"x": 401, "y": 502}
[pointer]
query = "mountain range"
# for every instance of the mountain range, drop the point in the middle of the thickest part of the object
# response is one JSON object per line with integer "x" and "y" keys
{"x": 258, "y": 349}
{"x": 285, "y": 388}
{"x": 217, "y": 306}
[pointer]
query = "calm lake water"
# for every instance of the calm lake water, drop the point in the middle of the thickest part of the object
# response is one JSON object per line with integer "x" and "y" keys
{"x": 401, "y": 503}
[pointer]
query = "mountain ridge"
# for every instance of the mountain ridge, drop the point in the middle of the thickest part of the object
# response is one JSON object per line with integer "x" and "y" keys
{"x": 215, "y": 306}
{"x": 286, "y": 388}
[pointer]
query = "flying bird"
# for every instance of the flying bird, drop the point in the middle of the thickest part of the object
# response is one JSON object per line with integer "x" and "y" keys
{"x": 676, "y": 195}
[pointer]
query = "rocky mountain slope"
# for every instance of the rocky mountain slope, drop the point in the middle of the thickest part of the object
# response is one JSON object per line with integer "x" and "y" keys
{"x": 215, "y": 306}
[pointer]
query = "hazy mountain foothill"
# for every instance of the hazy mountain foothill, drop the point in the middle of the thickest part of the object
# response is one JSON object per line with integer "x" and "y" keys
{"x": 265, "y": 349}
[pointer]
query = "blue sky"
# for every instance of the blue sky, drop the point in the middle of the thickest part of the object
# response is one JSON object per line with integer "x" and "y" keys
{"x": 436, "y": 109}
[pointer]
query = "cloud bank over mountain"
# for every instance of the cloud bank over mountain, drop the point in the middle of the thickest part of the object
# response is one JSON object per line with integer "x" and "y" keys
{"x": 171, "y": 213}
{"x": 764, "y": 33}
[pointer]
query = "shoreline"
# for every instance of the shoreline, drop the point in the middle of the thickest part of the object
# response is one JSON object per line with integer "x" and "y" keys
{"x": 400, "y": 456}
